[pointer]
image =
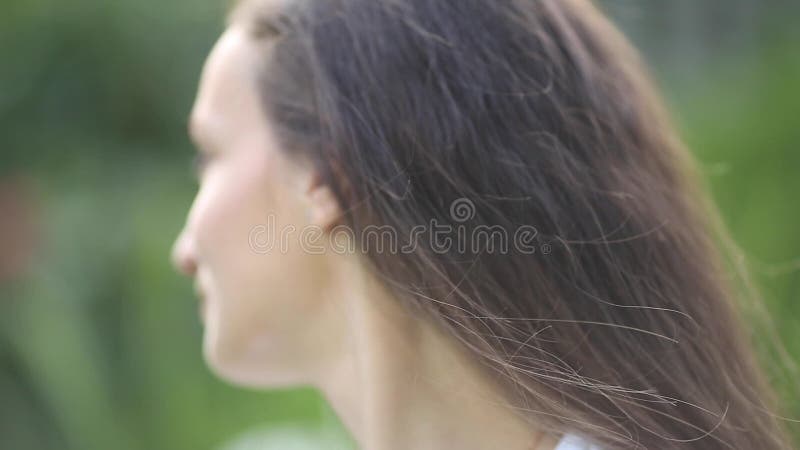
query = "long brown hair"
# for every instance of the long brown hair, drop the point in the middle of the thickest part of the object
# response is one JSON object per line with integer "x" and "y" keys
{"x": 620, "y": 324}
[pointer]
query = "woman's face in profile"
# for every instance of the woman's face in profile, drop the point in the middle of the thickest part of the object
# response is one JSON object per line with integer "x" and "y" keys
{"x": 260, "y": 294}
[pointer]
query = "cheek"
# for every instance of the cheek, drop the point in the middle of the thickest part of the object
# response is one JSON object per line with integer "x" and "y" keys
{"x": 262, "y": 291}
{"x": 235, "y": 196}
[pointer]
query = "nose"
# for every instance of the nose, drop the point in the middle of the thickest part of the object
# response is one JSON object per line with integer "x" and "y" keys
{"x": 183, "y": 254}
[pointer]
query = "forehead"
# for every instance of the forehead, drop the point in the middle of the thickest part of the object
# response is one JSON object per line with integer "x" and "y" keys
{"x": 227, "y": 90}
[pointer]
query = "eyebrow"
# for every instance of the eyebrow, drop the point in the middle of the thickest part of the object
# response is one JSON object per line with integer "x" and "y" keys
{"x": 265, "y": 18}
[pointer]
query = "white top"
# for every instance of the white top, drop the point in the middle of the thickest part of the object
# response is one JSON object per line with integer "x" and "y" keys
{"x": 305, "y": 438}
{"x": 573, "y": 442}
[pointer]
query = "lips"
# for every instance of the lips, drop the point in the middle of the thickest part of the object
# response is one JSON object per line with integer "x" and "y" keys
{"x": 201, "y": 300}
{"x": 201, "y": 308}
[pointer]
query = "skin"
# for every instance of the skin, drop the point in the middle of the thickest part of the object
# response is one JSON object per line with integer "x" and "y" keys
{"x": 289, "y": 317}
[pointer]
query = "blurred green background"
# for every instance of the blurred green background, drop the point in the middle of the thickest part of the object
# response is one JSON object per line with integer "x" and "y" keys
{"x": 99, "y": 338}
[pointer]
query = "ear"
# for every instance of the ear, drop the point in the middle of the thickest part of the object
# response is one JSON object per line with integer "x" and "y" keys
{"x": 324, "y": 209}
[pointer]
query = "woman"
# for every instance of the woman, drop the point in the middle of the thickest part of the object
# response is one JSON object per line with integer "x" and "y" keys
{"x": 467, "y": 223}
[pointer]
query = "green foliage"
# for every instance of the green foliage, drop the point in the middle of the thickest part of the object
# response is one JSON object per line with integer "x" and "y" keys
{"x": 742, "y": 125}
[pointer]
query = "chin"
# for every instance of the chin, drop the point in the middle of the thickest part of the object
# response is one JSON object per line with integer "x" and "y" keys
{"x": 250, "y": 371}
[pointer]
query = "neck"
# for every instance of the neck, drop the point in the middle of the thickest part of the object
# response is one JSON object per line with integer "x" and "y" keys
{"x": 403, "y": 384}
